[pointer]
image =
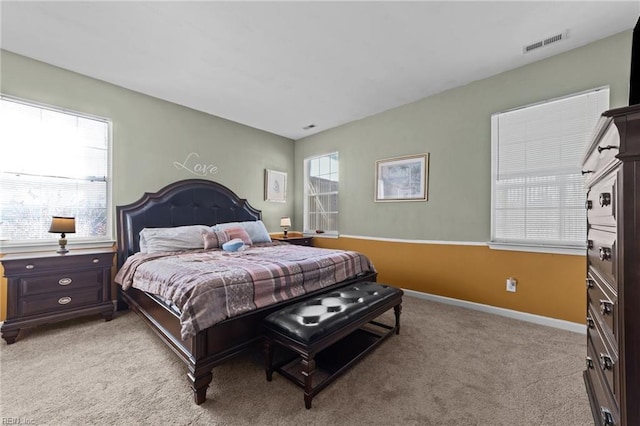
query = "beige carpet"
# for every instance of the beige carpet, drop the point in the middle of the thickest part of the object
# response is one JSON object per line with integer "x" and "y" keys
{"x": 449, "y": 366}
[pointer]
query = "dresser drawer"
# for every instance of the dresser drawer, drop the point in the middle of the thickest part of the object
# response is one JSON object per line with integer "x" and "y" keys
{"x": 602, "y": 154}
{"x": 604, "y": 408}
{"x": 602, "y": 301}
{"x": 602, "y": 254}
{"x": 601, "y": 200}
{"x": 608, "y": 321}
{"x": 605, "y": 359}
{"x": 56, "y": 282}
{"x": 53, "y": 302}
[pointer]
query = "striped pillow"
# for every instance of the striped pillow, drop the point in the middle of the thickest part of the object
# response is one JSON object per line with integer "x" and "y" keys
{"x": 214, "y": 239}
{"x": 239, "y": 232}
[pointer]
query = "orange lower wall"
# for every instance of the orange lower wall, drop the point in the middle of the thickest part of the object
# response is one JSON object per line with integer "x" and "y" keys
{"x": 550, "y": 285}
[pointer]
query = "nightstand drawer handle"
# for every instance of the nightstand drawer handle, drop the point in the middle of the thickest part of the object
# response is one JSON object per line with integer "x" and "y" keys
{"x": 96, "y": 260}
{"x": 30, "y": 266}
{"x": 604, "y": 199}
{"x": 65, "y": 281}
{"x": 64, "y": 300}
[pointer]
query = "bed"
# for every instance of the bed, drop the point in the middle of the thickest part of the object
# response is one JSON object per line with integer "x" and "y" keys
{"x": 197, "y": 202}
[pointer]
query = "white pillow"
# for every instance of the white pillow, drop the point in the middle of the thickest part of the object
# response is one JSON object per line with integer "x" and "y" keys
{"x": 188, "y": 237}
{"x": 255, "y": 228}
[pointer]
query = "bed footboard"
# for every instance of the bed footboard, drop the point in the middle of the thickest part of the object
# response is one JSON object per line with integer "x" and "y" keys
{"x": 215, "y": 345}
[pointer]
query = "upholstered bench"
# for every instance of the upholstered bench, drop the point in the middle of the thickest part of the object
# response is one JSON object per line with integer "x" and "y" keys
{"x": 328, "y": 333}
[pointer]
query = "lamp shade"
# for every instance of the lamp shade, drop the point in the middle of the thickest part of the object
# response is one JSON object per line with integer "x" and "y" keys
{"x": 285, "y": 222}
{"x": 63, "y": 225}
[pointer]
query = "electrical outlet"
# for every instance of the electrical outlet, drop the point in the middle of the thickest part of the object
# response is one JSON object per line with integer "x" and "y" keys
{"x": 511, "y": 284}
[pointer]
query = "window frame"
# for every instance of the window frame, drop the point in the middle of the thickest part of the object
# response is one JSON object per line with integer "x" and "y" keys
{"x": 531, "y": 246}
{"x": 18, "y": 246}
{"x": 305, "y": 209}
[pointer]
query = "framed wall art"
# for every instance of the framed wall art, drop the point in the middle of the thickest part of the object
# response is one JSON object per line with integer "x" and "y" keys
{"x": 275, "y": 186}
{"x": 402, "y": 178}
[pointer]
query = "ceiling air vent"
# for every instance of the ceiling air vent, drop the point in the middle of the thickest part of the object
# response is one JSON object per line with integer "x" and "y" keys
{"x": 547, "y": 41}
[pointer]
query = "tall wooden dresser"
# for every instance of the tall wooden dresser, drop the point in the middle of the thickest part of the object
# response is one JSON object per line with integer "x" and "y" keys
{"x": 611, "y": 166}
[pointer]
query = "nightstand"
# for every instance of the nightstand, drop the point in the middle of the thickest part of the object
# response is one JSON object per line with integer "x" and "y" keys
{"x": 48, "y": 287}
{"x": 299, "y": 241}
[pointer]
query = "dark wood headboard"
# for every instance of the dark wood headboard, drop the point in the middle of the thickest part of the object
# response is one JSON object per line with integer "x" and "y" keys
{"x": 186, "y": 202}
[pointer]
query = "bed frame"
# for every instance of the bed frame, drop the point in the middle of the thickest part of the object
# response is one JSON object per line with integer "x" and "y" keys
{"x": 194, "y": 202}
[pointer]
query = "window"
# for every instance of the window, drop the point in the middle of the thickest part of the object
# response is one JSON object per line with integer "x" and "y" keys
{"x": 537, "y": 188}
{"x": 321, "y": 194}
{"x": 53, "y": 163}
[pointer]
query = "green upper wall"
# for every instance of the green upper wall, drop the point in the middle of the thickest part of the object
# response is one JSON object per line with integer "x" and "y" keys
{"x": 454, "y": 127}
{"x": 149, "y": 135}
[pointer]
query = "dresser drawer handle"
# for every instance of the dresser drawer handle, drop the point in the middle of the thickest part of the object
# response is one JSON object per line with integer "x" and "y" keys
{"x": 607, "y": 417}
{"x": 590, "y": 323}
{"x": 606, "y": 362}
{"x": 589, "y": 244}
{"x": 64, "y": 300}
{"x": 588, "y": 204}
{"x": 605, "y": 253}
{"x": 589, "y": 282}
{"x": 604, "y": 199}
{"x": 30, "y": 266}
{"x": 589, "y": 363}
{"x": 96, "y": 260}
{"x": 606, "y": 307}
{"x": 65, "y": 281}
{"x": 604, "y": 148}
{"x": 584, "y": 172}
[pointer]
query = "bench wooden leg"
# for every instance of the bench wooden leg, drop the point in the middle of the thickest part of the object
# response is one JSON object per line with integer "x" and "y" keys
{"x": 308, "y": 368}
{"x": 397, "y": 310}
{"x": 268, "y": 356}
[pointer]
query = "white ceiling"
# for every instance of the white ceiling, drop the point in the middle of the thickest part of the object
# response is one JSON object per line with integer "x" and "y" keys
{"x": 279, "y": 66}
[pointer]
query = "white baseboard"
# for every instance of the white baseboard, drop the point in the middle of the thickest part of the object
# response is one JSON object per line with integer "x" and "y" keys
{"x": 523, "y": 316}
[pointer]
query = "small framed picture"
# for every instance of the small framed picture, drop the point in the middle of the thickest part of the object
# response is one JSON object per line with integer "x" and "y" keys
{"x": 275, "y": 186}
{"x": 402, "y": 178}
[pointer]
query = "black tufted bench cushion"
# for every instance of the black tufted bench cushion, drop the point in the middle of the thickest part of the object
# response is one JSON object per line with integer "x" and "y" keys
{"x": 314, "y": 325}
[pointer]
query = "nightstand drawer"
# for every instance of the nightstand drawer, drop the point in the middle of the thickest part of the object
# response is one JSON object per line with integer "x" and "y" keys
{"x": 298, "y": 241}
{"x": 60, "y": 301}
{"x": 24, "y": 265}
{"x": 52, "y": 283}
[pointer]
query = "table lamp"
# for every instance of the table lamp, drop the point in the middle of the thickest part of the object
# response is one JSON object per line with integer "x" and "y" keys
{"x": 285, "y": 224}
{"x": 63, "y": 225}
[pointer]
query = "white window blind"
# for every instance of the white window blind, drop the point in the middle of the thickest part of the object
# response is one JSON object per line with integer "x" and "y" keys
{"x": 537, "y": 192}
{"x": 321, "y": 181}
{"x": 53, "y": 163}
